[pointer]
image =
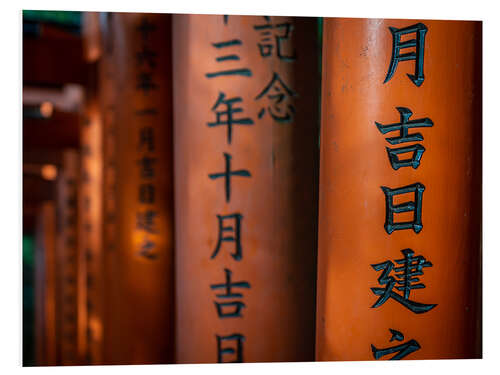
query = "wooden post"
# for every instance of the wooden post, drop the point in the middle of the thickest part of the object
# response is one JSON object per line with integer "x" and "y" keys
{"x": 390, "y": 273}
{"x": 66, "y": 259}
{"x": 138, "y": 252}
{"x": 246, "y": 128}
{"x": 92, "y": 297}
{"x": 45, "y": 286}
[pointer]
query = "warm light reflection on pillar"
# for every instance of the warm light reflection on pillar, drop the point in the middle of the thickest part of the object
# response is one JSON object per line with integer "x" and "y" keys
{"x": 90, "y": 251}
{"x": 96, "y": 326}
{"x": 46, "y": 109}
{"x": 49, "y": 172}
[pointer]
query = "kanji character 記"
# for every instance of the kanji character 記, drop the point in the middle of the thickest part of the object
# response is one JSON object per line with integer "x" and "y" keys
{"x": 274, "y": 37}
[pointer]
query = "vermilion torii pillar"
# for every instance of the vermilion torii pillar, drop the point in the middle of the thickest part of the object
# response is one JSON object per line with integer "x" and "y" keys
{"x": 132, "y": 274}
{"x": 67, "y": 288}
{"x": 45, "y": 286}
{"x": 138, "y": 181}
{"x": 246, "y": 110}
{"x": 400, "y": 191}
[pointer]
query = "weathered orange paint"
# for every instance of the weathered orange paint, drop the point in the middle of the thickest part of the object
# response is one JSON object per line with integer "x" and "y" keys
{"x": 45, "y": 286}
{"x": 90, "y": 210}
{"x": 278, "y": 202}
{"x": 66, "y": 259}
{"x": 138, "y": 310}
{"x": 354, "y": 165}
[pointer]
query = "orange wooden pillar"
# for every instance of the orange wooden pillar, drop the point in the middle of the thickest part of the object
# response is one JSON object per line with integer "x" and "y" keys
{"x": 107, "y": 89}
{"x": 91, "y": 284}
{"x": 246, "y": 146}
{"x": 45, "y": 286}
{"x": 92, "y": 295}
{"x": 400, "y": 213}
{"x": 66, "y": 259}
{"x": 138, "y": 249}
{"x": 92, "y": 35}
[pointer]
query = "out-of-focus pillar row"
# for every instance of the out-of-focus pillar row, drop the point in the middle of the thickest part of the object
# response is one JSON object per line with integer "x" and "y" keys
{"x": 127, "y": 199}
{"x": 57, "y": 269}
{"x": 212, "y": 123}
{"x": 245, "y": 123}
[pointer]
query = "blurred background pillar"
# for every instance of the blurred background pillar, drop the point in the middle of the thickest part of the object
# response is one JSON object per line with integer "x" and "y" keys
{"x": 400, "y": 213}
{"x": 135, "y": 72}
{"x": 246, "y": 125}
{"x": 45, "y": 285}
{"x": 67, "y": 259}
{"x": 52, "y": 95}
{"x": 93, "y": 295}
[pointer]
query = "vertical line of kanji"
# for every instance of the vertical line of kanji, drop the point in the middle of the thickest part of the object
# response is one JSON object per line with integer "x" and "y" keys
{"x": 246, "y": 166}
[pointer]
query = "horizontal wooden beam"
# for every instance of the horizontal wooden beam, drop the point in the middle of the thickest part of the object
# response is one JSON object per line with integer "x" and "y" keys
{"x": 53, "y": 59}
{"x": 61, "y": 130}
